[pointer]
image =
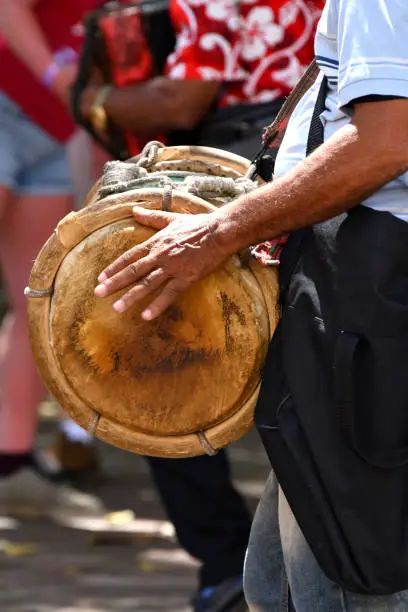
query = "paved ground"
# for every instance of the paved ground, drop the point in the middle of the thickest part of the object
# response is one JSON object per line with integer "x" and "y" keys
{"x": 47, "y": 568}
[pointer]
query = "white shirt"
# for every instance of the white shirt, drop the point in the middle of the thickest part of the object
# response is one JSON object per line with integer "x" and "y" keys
{"x": 362, "y": 48}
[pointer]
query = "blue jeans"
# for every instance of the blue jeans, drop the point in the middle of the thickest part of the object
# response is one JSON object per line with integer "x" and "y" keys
{"x": 279, "y": 559}
{"x": 31, "y": 161}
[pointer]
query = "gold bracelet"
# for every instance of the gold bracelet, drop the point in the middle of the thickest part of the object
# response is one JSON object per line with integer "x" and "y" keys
{"x": 97, "y": 113}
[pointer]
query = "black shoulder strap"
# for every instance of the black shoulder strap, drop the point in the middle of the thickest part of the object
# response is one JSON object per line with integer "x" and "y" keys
{"x": 316, "y": 130}
{"x": 292, "y": 250}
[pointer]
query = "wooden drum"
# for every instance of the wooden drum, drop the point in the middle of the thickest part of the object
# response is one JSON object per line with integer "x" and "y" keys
{"x": 185, "y": 384}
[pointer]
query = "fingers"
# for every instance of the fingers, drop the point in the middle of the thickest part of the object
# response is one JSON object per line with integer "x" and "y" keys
{"x": 140, "y": 268}
{"x": 126, "y": 259}
{"x": 129, "y": 273}
{"x": 150, "y": 283}
{"x": 164, "y": 299}
{"x": 153, "y": 218}
{"x": 149, "y": 218}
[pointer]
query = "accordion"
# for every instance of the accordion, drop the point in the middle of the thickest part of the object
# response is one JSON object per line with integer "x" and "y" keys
{"x": 127, "y": 43}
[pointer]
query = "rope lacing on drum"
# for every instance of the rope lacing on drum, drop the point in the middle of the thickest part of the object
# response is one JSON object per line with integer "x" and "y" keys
{"x": 148, "y": 154}
{"x": 119, "y": 177}
{"x": 218, "y": 186}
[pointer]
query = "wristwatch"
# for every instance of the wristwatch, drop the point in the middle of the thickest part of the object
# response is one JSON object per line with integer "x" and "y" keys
{"x": 97, "y": 113}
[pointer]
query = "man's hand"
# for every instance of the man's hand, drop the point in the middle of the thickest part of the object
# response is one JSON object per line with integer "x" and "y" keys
{"x": 185, "y": 250}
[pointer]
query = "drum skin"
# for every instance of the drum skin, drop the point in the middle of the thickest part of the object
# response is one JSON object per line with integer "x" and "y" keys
{"x": 179, "y": 386}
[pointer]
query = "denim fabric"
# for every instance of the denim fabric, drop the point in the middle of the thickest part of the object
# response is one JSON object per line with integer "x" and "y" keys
{"x": 31, "y": 161}
{"x": 279, "y": 559}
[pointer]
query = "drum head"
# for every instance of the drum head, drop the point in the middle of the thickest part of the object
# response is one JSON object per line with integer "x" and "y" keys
{"x": 181, "y": 385}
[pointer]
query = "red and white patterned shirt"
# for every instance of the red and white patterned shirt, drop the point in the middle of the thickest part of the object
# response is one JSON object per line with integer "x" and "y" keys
{"x": 257, "y": 48}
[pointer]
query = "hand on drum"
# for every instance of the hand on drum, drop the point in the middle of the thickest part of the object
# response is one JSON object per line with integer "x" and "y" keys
{"x": 185, "y": 250}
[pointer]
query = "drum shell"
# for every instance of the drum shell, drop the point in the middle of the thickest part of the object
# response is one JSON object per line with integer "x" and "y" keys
{"x": 73, "y": 231}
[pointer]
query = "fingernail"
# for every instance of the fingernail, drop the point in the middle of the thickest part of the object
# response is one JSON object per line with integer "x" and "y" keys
{"x": 102, "y": 277}
{"x": 100, "y": 291}
{"x": 147, "y": 314}
{"x": 119, "y": 306}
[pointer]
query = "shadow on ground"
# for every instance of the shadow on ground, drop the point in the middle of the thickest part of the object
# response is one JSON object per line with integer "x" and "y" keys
{"x": 48, "y": 568}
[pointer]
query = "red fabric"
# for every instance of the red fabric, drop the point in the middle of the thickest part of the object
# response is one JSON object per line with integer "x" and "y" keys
{"x": 128, "y": 51}
{"x": 269, "y": 252}
{"x": 59, "y": 20}
{"x": 129, "y": 57}
{"x": 258, "y": 48}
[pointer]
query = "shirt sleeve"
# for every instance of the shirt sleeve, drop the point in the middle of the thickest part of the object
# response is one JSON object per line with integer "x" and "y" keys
{"x": 373, "y": 49}
{"x": 206, "y": 39}
{"x": 375, "y": 98}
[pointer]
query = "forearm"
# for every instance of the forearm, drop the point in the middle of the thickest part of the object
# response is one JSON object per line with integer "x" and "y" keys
{"x": 136, "y": 108}
{"x": 150, "y": 107}
{"x": 158, "y": 105}
{"x": 343, "y": 172}
{"x": 24, "y": 36}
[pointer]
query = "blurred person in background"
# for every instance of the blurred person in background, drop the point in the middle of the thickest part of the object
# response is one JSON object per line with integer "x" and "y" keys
{"x": 233, "y": 65}
{"x": 38, "y": 54}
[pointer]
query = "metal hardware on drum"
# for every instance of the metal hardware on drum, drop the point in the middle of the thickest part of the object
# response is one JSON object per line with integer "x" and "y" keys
{"x": 38, "y": 293}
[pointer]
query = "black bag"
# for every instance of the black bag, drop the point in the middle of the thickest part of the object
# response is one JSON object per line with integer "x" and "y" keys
{"x": 333, "y": 407}
{"x": 223, "y": 126}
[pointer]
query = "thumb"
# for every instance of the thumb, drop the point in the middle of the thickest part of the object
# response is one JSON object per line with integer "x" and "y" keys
{"x": 153, "y": 218}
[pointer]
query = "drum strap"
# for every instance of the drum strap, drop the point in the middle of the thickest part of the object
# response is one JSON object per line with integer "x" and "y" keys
{"x": 264, "y": 161}
{"x": 269, "y": 252}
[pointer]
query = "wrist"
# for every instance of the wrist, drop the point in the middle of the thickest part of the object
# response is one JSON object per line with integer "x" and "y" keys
{"x": 96, "y": 110}
{"x": 226, "y": 233}
{"x": 50, "y": 74}
{"x": 87, "y": 99}
{"x": 63, "y": 58}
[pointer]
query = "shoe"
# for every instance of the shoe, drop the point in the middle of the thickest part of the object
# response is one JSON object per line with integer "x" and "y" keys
{"x": 76, "y": 461}
{"x": 228, "y": 596}
{"x": 27, "y": 493}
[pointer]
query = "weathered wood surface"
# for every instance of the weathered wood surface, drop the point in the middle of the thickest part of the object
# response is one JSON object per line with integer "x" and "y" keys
{"x": 149, "y": 387}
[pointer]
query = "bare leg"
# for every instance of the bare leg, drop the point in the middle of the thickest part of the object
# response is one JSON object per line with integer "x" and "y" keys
{"x": 25, "y": 224}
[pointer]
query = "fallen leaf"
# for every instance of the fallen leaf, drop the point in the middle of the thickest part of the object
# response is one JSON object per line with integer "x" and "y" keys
{"x": 120, "y": 518}
{"x": 17, "y": 549}
{"x": 149, "y": 567}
